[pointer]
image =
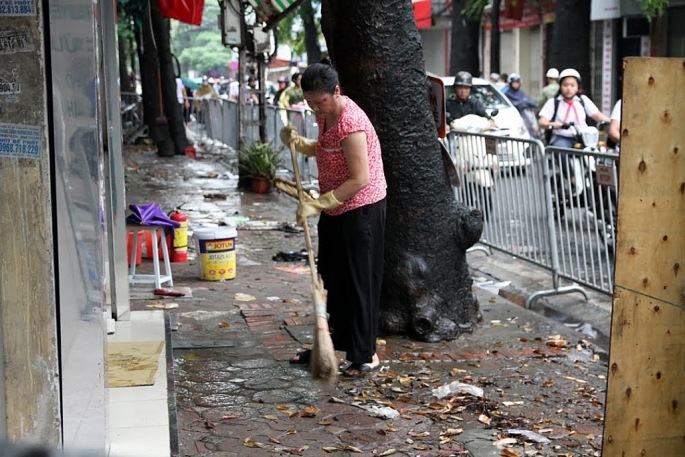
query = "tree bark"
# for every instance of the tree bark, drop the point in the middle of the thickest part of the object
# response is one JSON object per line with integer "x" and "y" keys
{"x": 172, "y": 109}
{"x": 495, "y": 36}
{"x": 125, "y": 81}
{"x": 311, "y": 34}
{"x": 426, "y": 286}
{"x": 148, "y": 63}
{"x": 570, "y": 46}
{"x": 464, "y": 41}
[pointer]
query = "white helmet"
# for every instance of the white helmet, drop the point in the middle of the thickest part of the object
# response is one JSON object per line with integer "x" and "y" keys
{"x": 569, "y": 72}
{"x": 552, "y": 73}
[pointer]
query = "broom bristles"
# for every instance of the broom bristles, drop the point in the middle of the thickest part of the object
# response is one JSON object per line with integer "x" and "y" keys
{"x": 324, "y": 362}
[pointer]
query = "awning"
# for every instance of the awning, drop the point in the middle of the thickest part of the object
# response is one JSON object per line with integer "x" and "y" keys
{"x": 422, "y": 13}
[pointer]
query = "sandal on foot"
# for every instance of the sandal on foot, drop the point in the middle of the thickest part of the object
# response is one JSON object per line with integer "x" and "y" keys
{"x": 302, "y": 358}
{"x": 357, "y": 370}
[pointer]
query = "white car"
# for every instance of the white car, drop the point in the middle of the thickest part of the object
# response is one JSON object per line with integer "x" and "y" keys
{"x": 508, "y": 119}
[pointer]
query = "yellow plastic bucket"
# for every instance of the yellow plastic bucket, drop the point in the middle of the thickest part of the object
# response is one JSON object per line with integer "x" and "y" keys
{"x": 215, "y": 249}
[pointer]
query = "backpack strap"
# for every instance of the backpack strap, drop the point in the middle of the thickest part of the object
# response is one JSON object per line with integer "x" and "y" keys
{"x": 556, "y": 108}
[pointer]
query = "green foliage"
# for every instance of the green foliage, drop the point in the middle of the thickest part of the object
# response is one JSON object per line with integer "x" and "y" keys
{"x": 653, "y": 8}
{"x": 260, "y": 160}
{"x": 200, "y": 48}
{"x": 291, "y": 32}
{"x": 474, "y": 9}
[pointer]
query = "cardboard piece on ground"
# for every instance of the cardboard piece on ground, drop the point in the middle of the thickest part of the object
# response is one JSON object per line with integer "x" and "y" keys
{"x": 133, "y": 363}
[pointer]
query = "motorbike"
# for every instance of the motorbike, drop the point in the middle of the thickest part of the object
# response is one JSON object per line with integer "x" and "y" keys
{"x": 477, "y": 166}
{"x": 593, "y": 186}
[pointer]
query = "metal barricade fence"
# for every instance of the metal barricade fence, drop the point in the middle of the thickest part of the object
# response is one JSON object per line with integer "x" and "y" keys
{"x": 132, "y": 120}
{"x": 530, "y": 211}
{"x": 583, "y": 204}
{"x": 502, "y": 177}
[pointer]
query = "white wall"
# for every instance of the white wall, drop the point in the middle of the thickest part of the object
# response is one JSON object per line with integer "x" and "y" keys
{"x": 436, "y": 50}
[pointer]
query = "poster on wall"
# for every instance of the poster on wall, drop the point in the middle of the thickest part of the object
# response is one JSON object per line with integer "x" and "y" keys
{"x": 17, "y": 7}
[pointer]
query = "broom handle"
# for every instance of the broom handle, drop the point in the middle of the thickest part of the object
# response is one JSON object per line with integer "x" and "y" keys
{"x": 307, "y": 236}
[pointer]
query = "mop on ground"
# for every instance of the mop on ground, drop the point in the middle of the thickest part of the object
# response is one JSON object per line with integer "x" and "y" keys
{"x": 323, "y": 361}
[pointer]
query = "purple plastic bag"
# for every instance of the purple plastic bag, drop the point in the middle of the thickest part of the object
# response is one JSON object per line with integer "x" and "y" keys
{"x": 151, "y": 214}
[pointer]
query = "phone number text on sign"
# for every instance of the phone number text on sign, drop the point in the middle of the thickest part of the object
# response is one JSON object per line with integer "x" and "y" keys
{"x": 17, "y": 7}
{"x": 23, "y": 141}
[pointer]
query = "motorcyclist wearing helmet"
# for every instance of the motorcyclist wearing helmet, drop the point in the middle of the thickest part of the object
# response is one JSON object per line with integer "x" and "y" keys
{"x": 568, "y": 109}
{"x": 552, "y": 87}
{"x": 462, "y": 102}
{"x": 516, "y": 95}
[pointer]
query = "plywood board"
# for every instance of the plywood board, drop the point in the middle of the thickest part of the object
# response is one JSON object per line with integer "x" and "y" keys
{"x": 645, "y": 412}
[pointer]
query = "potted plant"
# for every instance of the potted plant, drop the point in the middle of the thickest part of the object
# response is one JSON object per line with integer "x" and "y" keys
{"x": 260, "y": 161}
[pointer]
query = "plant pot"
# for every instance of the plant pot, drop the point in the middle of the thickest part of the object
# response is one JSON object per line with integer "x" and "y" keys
{"x": 260, "y": 185}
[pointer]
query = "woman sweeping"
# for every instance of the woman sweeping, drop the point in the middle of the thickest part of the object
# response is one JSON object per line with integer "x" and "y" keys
{"x": 352, "y": 222}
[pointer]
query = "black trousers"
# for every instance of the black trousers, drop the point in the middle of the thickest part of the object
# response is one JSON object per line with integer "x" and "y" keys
{"x": 351, "y": 266}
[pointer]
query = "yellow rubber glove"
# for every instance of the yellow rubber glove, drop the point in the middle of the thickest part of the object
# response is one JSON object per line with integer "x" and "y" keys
{"x": 304, "y": 145}
{"x": 314, "y": 207}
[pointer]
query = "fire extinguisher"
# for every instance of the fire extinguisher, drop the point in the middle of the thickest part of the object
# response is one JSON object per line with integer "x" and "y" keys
{"x": 179, "y": 251}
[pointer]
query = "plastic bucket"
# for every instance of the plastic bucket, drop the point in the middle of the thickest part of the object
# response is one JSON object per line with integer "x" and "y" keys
{"x": 139, "y": 247}
{"x": 215, "y": 248}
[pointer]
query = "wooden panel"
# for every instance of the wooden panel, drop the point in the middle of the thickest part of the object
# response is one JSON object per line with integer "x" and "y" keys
{"x": 645, "y": 412}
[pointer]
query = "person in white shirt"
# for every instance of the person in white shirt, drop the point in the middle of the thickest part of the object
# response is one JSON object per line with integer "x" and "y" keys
{"x": 558, "y": 112}
{"x": 182, "y": 97}
{"x": 568, "y": 107}
{"x": 615, "y": 125}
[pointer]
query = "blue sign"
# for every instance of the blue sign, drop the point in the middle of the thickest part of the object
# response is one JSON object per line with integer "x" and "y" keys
{"x": 21, "y": 141}
{"x": 17, "y": 7}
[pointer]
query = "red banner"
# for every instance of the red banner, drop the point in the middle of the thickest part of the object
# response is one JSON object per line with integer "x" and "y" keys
{"x": 422, "y": 13}
{"x": 189, "y": 11}
{"x": 513, "y": 9}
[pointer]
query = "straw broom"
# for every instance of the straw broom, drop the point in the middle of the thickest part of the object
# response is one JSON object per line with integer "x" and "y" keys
{"x": 323, "y": 361}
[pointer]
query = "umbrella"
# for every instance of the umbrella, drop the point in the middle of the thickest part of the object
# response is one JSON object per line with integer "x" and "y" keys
{"x": 190, "y": 83}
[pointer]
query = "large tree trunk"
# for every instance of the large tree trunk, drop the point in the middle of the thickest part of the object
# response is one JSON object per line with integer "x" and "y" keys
{"x": 464, "y": 41}
{"x": 311, "y": 34}
{"x": 494, "y": 37}
{"x": 172, "y": 109}
{"x": 570, "y": 47}
{"x": 426, "y": 287}
{"x": 125, "y": 81}
{"x": 148, "y": 63}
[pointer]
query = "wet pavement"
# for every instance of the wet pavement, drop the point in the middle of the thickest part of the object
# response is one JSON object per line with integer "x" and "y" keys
{"x": 543, "y": 382}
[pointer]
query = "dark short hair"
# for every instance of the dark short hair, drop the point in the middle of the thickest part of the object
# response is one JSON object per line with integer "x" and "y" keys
{"x": 320, "y": 77}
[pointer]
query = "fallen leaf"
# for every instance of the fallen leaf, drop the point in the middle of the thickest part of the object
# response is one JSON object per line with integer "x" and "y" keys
{"x": 249, "y": 442}
{"x": 504, "y": 442}
{"x": 229, "y": 416}
{"x": 354, "y": 449}
{"x": 274, "y": 440}
{"x": 389, "y": 452}
{"x": 453, "y": 431}
{"x": 509, "y": 452}
{"x": 270, "y": 417}
{"x": 512, "y": 403}
{"x": 324, "y": 422}
{"x": 484, "y": 419}
{"x": 571, "y": 378}
{"x": 209, "y": 424}
{"x": 336, "y": 400}
{"x": 331, "y": 449}
{"x": 309, "y": 411}
{"x": 224, "y": 324}
{"x": 243, "y": 297}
